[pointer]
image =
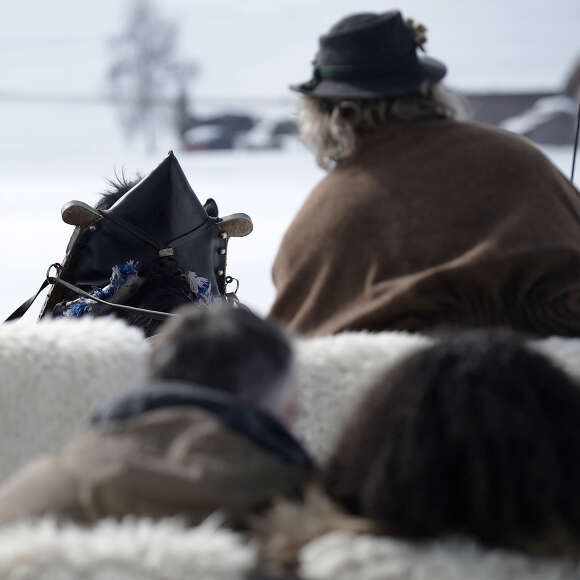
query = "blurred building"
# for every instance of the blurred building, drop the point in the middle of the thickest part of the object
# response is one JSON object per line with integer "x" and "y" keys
{"x": 546, "y": 117}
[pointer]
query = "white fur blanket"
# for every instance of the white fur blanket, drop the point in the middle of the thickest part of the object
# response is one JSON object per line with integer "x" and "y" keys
{"x": 333, "y": 374}
{"x": 53, "y": 373}
{"x": 129, "y": 550}
{"x": 143, "y": 550}
{"x": 343, "y": 556}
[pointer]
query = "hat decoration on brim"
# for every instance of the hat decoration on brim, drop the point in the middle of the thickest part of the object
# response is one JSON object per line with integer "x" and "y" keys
{"x": 371, "y": 56}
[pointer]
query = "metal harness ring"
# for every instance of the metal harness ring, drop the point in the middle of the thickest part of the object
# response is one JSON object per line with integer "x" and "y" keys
{"x": 229, "y": 280}
{"x": 57, "y": 267}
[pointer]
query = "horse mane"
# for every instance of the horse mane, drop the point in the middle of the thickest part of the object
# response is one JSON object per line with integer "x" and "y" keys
{"x": 118, "y": 187}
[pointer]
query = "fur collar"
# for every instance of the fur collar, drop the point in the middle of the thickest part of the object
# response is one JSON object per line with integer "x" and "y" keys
{"x": 264, "y": 430}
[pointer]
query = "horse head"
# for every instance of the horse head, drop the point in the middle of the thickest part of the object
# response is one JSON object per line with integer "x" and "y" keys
{"x": 157, "y": 225}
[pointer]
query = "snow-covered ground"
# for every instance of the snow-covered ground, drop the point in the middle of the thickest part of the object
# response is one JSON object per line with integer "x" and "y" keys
{"x": 39, "y": 175}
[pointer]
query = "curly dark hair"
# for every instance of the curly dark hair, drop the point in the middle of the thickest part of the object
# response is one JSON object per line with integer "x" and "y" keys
{"x": 477, "y": 435}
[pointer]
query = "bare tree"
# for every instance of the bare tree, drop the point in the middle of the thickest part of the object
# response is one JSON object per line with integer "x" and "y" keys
{"x": 145, "y": 72}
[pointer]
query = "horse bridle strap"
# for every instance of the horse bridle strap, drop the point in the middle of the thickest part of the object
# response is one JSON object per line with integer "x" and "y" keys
{"x": 155, "y": 314}
{"x": 23, "y": 308}
{"x": 52, "y": 280}
{"x": 142, "y": 235}
{"x": 132, "y": 229}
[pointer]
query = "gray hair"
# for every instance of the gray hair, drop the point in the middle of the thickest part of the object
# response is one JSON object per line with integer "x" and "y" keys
{"x": 333, "y": 128}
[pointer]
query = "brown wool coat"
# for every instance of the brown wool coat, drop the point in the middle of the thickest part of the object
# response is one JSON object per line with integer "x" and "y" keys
{"x": 434, "y": 223}
{"x": 163, "y": 463}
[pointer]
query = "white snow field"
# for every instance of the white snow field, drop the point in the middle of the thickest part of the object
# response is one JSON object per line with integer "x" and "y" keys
{"x": 78, "y": 148}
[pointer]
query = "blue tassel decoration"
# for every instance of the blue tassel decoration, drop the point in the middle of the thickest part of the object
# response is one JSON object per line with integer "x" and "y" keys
{"x": 119, "y": 276}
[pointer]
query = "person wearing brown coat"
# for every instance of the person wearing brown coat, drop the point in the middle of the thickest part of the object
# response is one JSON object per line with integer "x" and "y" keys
{"x": 423, "y": 220}
{"x": 175, "y": 447}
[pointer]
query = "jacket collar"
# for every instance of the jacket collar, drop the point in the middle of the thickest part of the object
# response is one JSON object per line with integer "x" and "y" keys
{"x": 258, "y": 426}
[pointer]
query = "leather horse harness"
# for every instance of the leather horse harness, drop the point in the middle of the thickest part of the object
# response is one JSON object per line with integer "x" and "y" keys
{"x": 159, "y": 217}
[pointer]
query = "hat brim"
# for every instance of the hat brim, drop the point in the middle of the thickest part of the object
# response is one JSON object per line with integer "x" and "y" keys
{"x": 393, "y": 85}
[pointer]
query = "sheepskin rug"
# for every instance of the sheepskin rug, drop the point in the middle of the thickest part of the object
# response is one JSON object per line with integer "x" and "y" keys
{"x": 343, "y": 556}
{"x": 130, "y": 550}
{"x": 53, "y": 373}
{"x": 137, "y": 549}
{"x": 334, "y": 372}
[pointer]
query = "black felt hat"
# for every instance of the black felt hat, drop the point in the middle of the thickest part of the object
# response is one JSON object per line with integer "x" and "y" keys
{"x": 369, "y": 56}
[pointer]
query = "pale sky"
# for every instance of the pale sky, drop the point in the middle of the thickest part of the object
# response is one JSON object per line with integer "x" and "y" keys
{"x": 258, "y": 47}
